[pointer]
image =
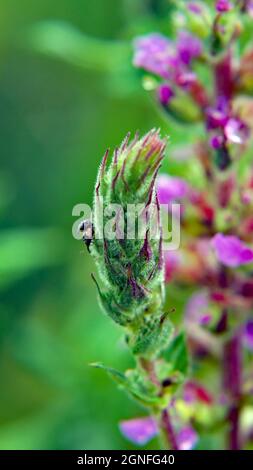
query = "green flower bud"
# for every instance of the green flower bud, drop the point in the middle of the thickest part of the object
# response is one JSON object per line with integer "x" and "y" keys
{"x": 130, "y": 265}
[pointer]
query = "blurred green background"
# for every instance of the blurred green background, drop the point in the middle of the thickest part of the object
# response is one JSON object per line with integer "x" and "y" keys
{"x": 67, "y": 91}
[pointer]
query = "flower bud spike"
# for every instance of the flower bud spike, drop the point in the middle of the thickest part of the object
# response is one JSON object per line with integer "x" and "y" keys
{"x": 130, "y": 269}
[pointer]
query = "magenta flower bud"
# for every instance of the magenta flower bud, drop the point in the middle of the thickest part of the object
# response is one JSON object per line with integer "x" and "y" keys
{"x": 195, "y": 392}
{"x": 231, "y": 251}
{"x": 186, "y": 79}
{"x": 139, "y": 430}
{"x": 216, "y": 118}
{"x": 154, "y": 53}
{"x": 170, "y": 189}
{"x": 236, "y": 131}
{"x": 189, "y": 47}
{"x": 187, "y": 438}
{"x": 222, "y": 6}
{"x": 165, "y": 94}
{"x": 248, "y": 335}
{"x": 216, "y": 142}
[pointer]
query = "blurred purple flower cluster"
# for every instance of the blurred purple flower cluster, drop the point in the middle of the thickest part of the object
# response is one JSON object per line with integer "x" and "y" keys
{"x": 215, "y": 258}
{"x": 141, "y": 430}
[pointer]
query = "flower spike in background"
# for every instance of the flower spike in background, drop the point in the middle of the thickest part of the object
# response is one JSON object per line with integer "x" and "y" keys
{"x": 202, "y": 80}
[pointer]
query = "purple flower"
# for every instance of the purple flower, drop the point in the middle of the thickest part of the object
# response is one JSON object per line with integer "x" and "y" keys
{"x": 172, "y": 260}
{"x": 250, "y": 8}
{"x": 223, "y": 6}
{"x": 216, "y": 118}
{"x": 231, "y": 251}
{"x": 236, "y": 131}
{"x": 155, "y": 54}
{"x": 197, "y": 308}
{"x": 187, "y": 438}
{"x": 194, "y": 8}
{"x": 170, "y": 189}
{"x": 248, "y": 335}
{"x": 165, "y": 93}
{"x": 188, "y": 47}
{"x": 139, "y": 430}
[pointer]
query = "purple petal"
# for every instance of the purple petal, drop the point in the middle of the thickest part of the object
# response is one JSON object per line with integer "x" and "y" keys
{"x": 236, "y": 131}
{"x": 231, "y": 251}
{"x": 187, "y": 438}
{"x": 170, "y": 189}
{"x": 194, "y": 8}
{"x": 250, "y": 8}
{"x": 194, "y": 392}
{"x": 165, "y": 93}
{"x": 155, "y": 54}
{"x": 216, "y": 142}
{"x": 216, "y": 118}
{"x": 139, "y": 430}
{"x": 223, "y": 6}
{"x": 189, "y": 47}
{"x": 197, "y": 308}
{"x": 248, "y": 335}
{"x": 185, "y": 79}
{"x": 172, "y": 260}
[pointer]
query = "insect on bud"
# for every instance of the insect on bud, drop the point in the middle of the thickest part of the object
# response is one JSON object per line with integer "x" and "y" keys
{"x": 86, "y": 228}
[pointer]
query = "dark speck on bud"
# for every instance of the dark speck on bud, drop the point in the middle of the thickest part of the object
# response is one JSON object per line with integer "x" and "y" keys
{"x": 86, "y": 228}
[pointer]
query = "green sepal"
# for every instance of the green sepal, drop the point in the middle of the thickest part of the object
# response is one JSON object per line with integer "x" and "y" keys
{"x": 152, "y": 336}
{"x": 177, "y": 355}
{"x": 135, "y": 384}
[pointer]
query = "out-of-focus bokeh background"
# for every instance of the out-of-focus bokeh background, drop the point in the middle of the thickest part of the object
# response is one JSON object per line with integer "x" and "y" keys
{"x": 67, "y": 91}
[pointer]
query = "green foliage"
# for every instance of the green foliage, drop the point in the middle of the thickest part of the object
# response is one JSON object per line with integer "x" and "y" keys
{"x": 135, "y": 384}
{"x": 177, "y": 355}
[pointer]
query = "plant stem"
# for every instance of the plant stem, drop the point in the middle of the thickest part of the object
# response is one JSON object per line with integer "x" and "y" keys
{"x": 165, "y": 421}
{"x": 224, "y": 77}
{"x": 232, "y": 386}
{"x": 168, "y": 430}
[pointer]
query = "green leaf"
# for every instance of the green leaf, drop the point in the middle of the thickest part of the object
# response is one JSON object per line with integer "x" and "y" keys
{"x": 23, "y": 251}
{"x": 60, "y": 39}
{"x": 134, "y": 385}
{"x": 177, "y": 355}
{"x": 114, "y": 373}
